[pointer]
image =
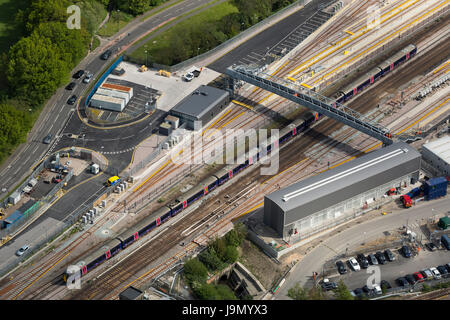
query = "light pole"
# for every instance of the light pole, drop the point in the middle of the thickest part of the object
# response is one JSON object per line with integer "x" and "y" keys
{"x": 146, "y": 56}
{"x": 118, "y": 20}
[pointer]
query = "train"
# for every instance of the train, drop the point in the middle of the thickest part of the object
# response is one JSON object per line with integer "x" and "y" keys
{"x": 222, "y": 176}
{"x": 114, "y": 246}
{"x": 376, "y": 73}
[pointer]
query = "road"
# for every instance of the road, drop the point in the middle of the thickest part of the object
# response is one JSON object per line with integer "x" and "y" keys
{"x": 351, "y": 237}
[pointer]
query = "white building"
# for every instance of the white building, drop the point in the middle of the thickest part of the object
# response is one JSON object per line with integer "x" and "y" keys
{"x": 437, "y": 153}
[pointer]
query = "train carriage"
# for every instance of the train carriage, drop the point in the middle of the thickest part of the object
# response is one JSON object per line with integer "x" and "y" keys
{"x": 224, "y": 174}
{"x": 209, "y": 184}
{"x": 386, "y": 67}
{"x": 105, "y": 252}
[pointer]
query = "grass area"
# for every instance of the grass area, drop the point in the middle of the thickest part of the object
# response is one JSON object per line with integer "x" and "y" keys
{"x": 93, "y": 13}
{"x": 117, "y": 20}
{"x": 95, "y": 43}
{"x": 162, "y": 41}
{"x": 9, "y": 33}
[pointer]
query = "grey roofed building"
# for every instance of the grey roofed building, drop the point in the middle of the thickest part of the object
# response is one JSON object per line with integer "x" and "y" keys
{"x": 300, "y": 200}
{"x": 203, "y": 104}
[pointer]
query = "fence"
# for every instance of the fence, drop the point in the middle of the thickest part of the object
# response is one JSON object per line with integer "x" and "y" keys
{"x": 397, "y": 42}
{"x": 102, "y": 78}
{"x": 223, "y": 45}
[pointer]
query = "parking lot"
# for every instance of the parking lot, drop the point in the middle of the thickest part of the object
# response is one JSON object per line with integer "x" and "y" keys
{"x": 400, "y": 267}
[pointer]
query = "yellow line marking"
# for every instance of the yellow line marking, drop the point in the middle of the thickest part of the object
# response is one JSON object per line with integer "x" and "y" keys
{"x": 349, "y": 32}
{"x": 217, "y": 120}
{"x": 305, "y": 85}
{"x": 381, "y": 41}
{"x": 424, "y": 116}
{"x": 441, "y": 67}
{"x": 40, "y": 276}
{"x": 341, "y": 43}
{"x": 292, "y": 79}
{"x": 224, "y": 124}
{"x": 242, "y": 104}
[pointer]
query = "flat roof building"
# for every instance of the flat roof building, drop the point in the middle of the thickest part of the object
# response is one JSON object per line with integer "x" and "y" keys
{"x": 118, "y": 88}
{"x": 437, "y": 153}
{"x": 202, "y": 105}
{"x": 107, "y": 103}
{"x": 333, "y": 196}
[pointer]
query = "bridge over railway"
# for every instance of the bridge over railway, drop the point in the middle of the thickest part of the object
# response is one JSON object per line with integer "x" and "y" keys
{"x": 310, "y": 99}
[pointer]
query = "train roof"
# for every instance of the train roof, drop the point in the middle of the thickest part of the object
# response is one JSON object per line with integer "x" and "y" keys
{"x": 99, "y": 251}
{"x": 386, "y": 63}
{"x": 144, "y": 222}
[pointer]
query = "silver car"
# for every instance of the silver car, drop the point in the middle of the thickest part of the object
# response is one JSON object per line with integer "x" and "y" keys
{"x": 88, "y": 78}
{"x": 22, "y": 250}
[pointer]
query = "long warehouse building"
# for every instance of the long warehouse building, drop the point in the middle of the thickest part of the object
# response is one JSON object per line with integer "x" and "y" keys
{"x": 336, "y": 195}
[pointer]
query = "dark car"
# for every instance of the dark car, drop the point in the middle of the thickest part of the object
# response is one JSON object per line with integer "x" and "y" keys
{"x": 410, "y": 278}
{"x": 402, "y": 282}
{"x": 106, "y": 55}
{"x": 443, "y": 270}
{"x": 72, "y": 99}
{"x": 380, "y": 257}
{"x": 341, "y": 267}
{"x": 406, "y": 251}
{"x": 358, "y": 292}
{"x": 389, "y": 255}
{"x": 369, "y": 292}
{"x": 448, "y": 267}
{"x": 385, "y": 284}
{"x": 431, "y": 246}
{"x": 372, "y": 259}
{"x": 329, "y": 286}
{"x": 363, "y": 262}
{"x": 78, "y": 74}
{"x": 47, "y": 139}
{"x": 70, "y": 86}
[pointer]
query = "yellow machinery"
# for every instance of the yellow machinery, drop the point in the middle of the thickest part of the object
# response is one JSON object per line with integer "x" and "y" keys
{"x": 164, "y": 73}
{"x": 143, "y": 68}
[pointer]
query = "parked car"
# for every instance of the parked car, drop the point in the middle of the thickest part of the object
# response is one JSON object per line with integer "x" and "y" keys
{"x": 105, "y": 55}
{"x": 443, "y": 271}
{"x": 367, "y": 290}
{"x": 329, "y": 285}
{"x": 188, "y": 76}
{"x": 47, "y": 139}
{"x": 372, "y": 259}
{"x": 88, "y": 78}
{"x": 72, "y": 99}
{"x": 448, "y": 267}
{"x": 389, "y": 255}
{"x": 406, "y": 251}
{"x": 436, "y": 273}
{"x": 380, "y": 257}
{"x": 419, "y": 277}
{"x": 377, "y": 289}
{"x": 118, "y": 72}
{"x": 363, "y": 262}
{"x": 427, "y": 274}
{"x": 22, "y": 250}
{"x": 410, "y": 278}
{"x": 358, "y": 292}
{"x": 385, "y": 284}
{"x": 341, "y": 267}
{"x": 354, "y": 264}
{"x": 431, "y": 246}
{"x": 70, "y": 86}
{"x": 78, "y": 74}
{"x": 402, "y": 282}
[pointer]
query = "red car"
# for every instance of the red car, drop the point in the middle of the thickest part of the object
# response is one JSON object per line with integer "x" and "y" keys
{"x": 419, "y": 277}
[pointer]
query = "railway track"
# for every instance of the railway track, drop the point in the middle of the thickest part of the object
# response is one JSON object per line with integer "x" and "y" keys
{"x": 44, "y": 266}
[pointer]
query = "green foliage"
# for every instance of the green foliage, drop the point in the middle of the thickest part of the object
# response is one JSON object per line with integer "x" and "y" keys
{"x": 214, "y": 292}
{"x": 195, "y": 271}
{"x": 210, "y": 259}
{"x": 298, "y": 293}
{"x": 43, "y": 11}
{"x": 342, "y": 292}
{"x": 36, "y": 68}
{"x": 231, "y": 254}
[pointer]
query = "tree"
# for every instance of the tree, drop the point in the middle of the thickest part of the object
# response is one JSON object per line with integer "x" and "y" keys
{"x": 231, "y": 254}
{"x": 195, "y": 271}
{"x": 316, "y": 293}
{"x": 298, "y": 293}
{"x": 35, "y": 68}
{"x": 40, "y": 11}
{"x": 225, "y": 292}
{"x": 211, "y": 260}
{"x": 342, "y": 292}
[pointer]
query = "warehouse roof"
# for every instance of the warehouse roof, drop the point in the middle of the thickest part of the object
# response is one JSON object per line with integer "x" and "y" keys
{"x": 200, "y": 101}
{"x": 116, "y": 87}
{"x": 100, "y": 97}
{"x": 440, "y": 147}
{"x": 343, "y": 176}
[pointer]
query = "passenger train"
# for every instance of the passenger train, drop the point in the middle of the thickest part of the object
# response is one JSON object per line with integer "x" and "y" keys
{"x": 124, "y": 240}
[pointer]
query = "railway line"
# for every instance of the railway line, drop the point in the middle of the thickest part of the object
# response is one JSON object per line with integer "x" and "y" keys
{"x": 50, "y": 288}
